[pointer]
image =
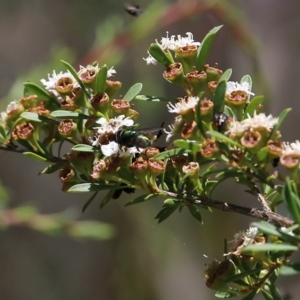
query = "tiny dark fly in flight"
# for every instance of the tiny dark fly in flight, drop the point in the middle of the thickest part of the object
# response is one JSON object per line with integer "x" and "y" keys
{"x": 133, "y": 10}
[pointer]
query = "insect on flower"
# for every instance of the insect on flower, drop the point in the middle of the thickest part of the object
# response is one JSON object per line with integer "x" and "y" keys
{"x": 139, "y": 138}
{"x": 133, "y": 10}
{"x": 219, "y": 120}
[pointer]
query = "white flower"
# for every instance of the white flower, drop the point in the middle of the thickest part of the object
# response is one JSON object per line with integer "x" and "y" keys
{"x": 11, "y": 107}
{"x": 259, "y": 121}
{"x": 110, "y": 149}
{"x": 111, "y": 72}
{"x": 173, "y": 127}
{"x": 182, "y": 41}
{"x": 150, "y": 59}
{"x": 52, "y": 80}
{"x": 169, "y": 133}
{"x": 184, "y": 105}
{"x": 236, "y": 128}
{"x": 235, "y": 86}
{"x": 243, "y": 239}
{"x": 291, "y": 149}
{"x": 113, "y": 125}
{"x": 173, "y": 44}
{"x": 114, "y": 148}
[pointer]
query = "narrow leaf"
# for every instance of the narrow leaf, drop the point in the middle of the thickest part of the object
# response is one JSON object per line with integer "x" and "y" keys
{"x": 31, "y": 116}
{"x": 290, "y": 269}
{"x": 188, "y": 145}
{"x": 160, "y": 55}
{"x": 83, "y": 148}
{"x": 204, "y": 48}
{"x": 254, "y": 105}
{"x": 89, "y": 202}
{"x": 152, "y": 98}
{"x": 101, "y": 79}
{"x": 35, "y": 156}
{"x": 226, "y": 75}
{"x": 107, "y": 198}
{"x": 269, "y": 247}
{"x": 219, "y": 97}
{"x": 133, "y": 91}
{"x": 169, "y": 153}
{"x": 68, "y": 114}
{"x": 91, "y": 187}
{"x": 33, "y": 89}
{"x": 195, "y": 213}
{"x": 141, "y": 199}
{"x": 281, "y": 118}
{"x": 165, "y": 213}
{"x": 221, "y": 137}
{"x": 53, "y": 168}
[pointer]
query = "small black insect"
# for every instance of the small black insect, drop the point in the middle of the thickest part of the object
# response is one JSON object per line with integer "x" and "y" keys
{"x": 219, "y": 120}
{"x": 133, "y": 10}
{"x": 275, "y": 162}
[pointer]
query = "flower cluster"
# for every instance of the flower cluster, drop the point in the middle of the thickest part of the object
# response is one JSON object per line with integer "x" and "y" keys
{"x": 217, "y": 121}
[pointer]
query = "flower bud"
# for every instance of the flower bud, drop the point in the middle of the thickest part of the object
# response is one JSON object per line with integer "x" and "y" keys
{"x": 120, "y": 107}
{"x": 209, "y": 149}
{"x": 213, "y": 73}
{"x": 99, "y": 102}
{"x": 67, "y": 128}
{"x": 174, "y": 73}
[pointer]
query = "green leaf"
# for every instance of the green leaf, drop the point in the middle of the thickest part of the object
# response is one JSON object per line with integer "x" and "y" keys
{"x": 107, "y": 198}
{"x": 31, "y": 88}
{"x": 199, "y": 117}
{"x": 165, "y": 213}
{"x": 152, "y": 98}
{"x": 270, "y": 229}
{"x": 169, "y": 153}
{"x": 101, "y": 80}
{"x": 187, "y": 145}
{"x": 224, "y": 295}
{"x": 31, "y": 116}
{"x": 250, "y": 296}
{"x": 281, "y": 118}
{"x": 266, "y": 295}
{"x": 133, "y": 91}
{"x": 253, "y": 105}
{"x": 91, "y": 187}
{"x": 83, "y": 148}
{"x": 275, "y": 292}
{"x": 204, "y": 48}
{"x": 53, "y": 168}
{"x": 195, "y": 213}
{"x": 141, "y": 199}
{"x": 247, "y": 79}
{"x": 291, "y": 200}
{"x": 226, "y": 75}
{"x": 35, "y": 156}
{"x": 268, "y": 247}
{"x": 221, "y": 137}
{"x": 219, "y": 97}
{"x": 160, "y": 55}
{"x": 290, "y": 269}
{"x": 85, "y": 206}
{"x": 66, "y": 114}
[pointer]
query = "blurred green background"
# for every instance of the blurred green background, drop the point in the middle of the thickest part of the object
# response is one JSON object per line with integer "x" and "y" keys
{"x": 142, "y": 260}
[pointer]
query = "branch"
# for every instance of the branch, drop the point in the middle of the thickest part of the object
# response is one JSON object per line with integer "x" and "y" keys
{"x": 265, "y": 215}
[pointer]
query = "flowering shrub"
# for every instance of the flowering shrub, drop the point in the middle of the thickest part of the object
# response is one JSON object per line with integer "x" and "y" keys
{"x": 219, "y": 132}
